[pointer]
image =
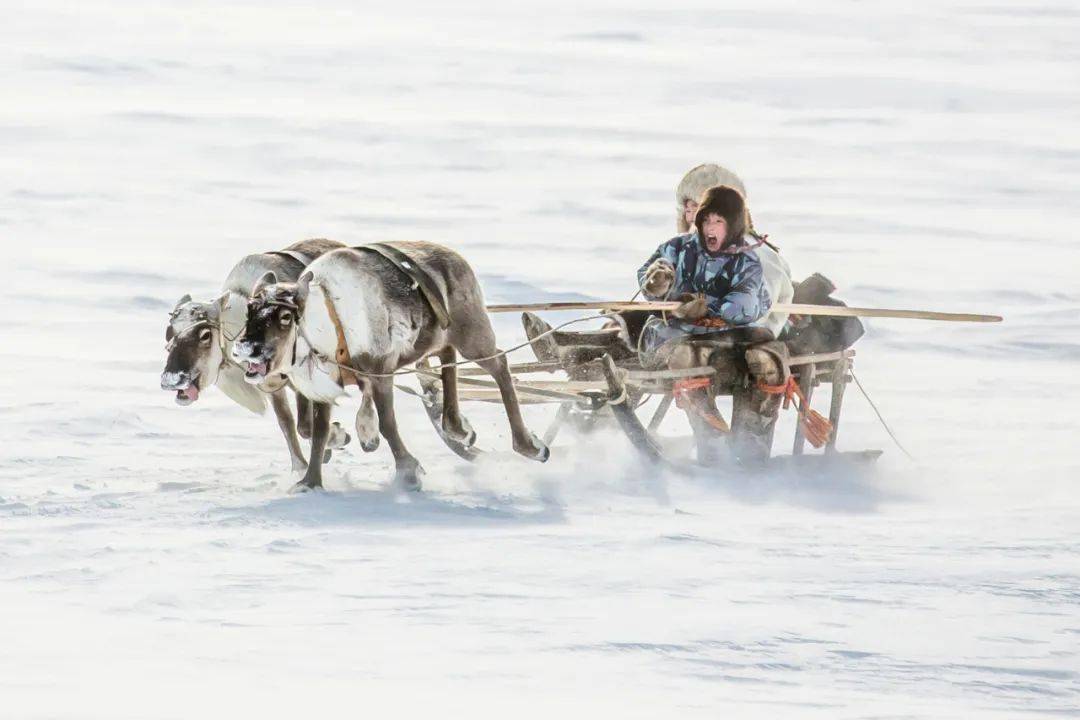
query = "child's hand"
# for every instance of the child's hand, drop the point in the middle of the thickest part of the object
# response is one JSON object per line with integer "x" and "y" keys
{"x": 693, "y": 308}
{"x": 659, "y": 278}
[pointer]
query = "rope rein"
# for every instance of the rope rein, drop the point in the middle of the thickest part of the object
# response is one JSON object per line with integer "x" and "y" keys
{"x": 641, "y": 335}
{"x": 880, "y": 418}
{"x": 321, "y": 358}
{"x": 790, "y": 389}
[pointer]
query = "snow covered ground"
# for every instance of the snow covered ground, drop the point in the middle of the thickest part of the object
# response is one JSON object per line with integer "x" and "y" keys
{"x": 921, "y": 154}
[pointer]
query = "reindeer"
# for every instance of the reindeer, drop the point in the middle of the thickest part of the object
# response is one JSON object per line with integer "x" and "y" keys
{"x": 200, "y": 336}
{"x": 362, "y": 308}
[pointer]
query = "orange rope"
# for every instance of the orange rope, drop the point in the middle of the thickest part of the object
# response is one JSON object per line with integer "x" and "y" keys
{"x": 816, "y": 427}
{"x": 682, "y": 387}
{"x": 685, "y": 401}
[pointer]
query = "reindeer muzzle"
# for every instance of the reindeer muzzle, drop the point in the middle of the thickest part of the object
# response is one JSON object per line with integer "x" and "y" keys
{"x": 185, "y": 386}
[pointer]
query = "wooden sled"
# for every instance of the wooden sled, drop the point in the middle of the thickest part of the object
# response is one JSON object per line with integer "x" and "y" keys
{"x": 606, "y": 392}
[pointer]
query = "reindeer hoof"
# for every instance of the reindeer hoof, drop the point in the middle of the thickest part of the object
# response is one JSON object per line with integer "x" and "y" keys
{"x": 299, "y": 465}
{"x": 304, "y": 486}
{"x": 465, "y": 439}
{"x": 327, "y": 454}
{"x": 337, "y": 438}
{"x": 410, "y": 478}
{"x": 535, "y": 450}
{"x": 470, "y": 435}
{"x": 367, "y": 431}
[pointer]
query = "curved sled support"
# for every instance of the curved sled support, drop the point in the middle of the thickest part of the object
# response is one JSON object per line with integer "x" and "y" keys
{"x": 642, "y": 440}
{"x": 432, "y": 401}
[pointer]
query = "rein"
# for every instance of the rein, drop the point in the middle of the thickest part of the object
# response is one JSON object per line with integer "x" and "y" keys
{"x": 282, "y": 303}
{"x": 318, "y": 359}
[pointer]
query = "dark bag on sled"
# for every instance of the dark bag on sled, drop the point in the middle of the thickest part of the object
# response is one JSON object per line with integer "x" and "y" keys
{"x": 820, "y": 333}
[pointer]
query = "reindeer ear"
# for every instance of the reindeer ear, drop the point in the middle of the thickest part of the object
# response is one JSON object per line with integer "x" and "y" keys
{"x": 270, "y": 278}
{"x": 223, "y": 304}
{"x": 182, "y": 301}
{"x": 303, "y": 287}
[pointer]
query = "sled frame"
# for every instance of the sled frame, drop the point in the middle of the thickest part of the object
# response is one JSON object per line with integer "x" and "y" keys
{"x": 618, "y": 389}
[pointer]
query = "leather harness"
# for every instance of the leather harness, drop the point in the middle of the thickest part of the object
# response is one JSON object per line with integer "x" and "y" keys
{"x": 303, "y": 258}
{"x": 341, "y": 353}
{"x": 420, "y": 281}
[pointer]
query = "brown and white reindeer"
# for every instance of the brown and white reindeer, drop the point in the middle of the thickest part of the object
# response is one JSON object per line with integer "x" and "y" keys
{"x": 378, "y": 311}
{"x": 200, "y": 336}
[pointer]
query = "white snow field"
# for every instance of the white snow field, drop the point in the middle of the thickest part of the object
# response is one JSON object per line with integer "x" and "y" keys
{"x": 152, "y": 564}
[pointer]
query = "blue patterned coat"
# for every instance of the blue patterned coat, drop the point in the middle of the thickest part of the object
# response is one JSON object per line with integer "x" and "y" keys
{"x": 732, "y": 282}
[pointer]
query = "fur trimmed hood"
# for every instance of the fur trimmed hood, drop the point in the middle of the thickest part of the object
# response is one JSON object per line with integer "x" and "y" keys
{"x": 728, "y": 203}
{"x": 696, "y": 182}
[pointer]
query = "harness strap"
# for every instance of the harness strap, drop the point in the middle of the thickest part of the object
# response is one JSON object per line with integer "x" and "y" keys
{"x": 343, "y": 359}
{"x": 303, "y": 258}
{"x": 420, "y": 279}
{"x": 223, "y": 346}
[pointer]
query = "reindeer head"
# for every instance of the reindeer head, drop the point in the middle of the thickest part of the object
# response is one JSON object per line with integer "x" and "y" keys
{"x": 197, "y": 338}
{"x": 266, "y": 345}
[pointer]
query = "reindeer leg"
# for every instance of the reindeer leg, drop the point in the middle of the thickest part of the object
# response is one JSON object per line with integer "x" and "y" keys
{"x": 367, "y": 425}
{"x": 338, "y": 437}
{"x": 479, "y": 342}
{"x": 407, "y": 469}
{"x": 280, "y": 402}
{"x": 303, "y": 416}
{"x": 525, "y": 442}
{"x": 320, "y": 430}
{"x": 453, "y": 424}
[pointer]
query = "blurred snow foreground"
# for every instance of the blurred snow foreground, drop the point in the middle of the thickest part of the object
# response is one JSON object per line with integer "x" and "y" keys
{"x": 151, "y": 565}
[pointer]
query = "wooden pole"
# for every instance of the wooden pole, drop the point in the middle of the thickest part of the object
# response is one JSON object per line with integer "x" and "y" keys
{"x": 844, "y": 311}
{"x": 789, "y": 308}
{"x": 661, "y": 411}
{"x": 806, "y": 385}
{"x": 839, "y": 383}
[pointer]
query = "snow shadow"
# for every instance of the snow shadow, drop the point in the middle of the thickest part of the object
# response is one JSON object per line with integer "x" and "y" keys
{"x": 368, "y": 507}
{"x": 603, "y": 462}
{"x": 845, "y": 489}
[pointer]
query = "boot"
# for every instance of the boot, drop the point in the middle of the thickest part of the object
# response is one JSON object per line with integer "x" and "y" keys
{"x": 754, "y": 414}
{"x": 753, "y": 422}
{"x": 707, "y": 424}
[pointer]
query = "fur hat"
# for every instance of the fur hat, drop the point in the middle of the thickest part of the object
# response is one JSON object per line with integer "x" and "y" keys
{"x": 696, "y": 182}
{"x": 728, "y": 203}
